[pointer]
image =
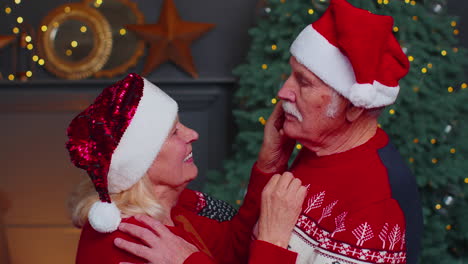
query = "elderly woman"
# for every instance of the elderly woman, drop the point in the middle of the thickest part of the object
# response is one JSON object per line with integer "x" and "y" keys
{"x": 139, "y": 158}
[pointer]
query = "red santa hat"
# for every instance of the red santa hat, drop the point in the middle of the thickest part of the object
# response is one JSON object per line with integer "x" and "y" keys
{"x": 355, "y": 52}
{"x": 117, "y": 138}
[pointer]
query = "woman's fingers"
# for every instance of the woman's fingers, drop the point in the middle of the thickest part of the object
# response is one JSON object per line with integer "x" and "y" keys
{"x": 135, "y": 249}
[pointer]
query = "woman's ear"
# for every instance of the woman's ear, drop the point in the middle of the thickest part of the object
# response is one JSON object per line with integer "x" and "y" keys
{"x": 353, "y": 113}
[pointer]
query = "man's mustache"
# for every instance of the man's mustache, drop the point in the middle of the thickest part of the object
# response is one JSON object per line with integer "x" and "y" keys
{"x": 291, "y": 109}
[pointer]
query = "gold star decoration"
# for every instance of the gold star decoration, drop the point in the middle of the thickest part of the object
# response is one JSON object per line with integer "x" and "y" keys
{"x": 5, "y": 40}
{"x": 170, "y": 39}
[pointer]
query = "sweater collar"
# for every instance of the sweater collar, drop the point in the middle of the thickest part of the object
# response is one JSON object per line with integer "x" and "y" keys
{"x": 306, "y": 156}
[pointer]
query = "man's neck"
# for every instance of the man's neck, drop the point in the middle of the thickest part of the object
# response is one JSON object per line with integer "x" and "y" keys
{"x": 347, "y": 137}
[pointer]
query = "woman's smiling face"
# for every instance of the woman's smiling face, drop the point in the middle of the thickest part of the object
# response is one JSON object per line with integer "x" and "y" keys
{"x": 174, "y": 166}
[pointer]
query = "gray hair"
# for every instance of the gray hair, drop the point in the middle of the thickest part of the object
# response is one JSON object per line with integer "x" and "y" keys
{"x": 332, "y": 108}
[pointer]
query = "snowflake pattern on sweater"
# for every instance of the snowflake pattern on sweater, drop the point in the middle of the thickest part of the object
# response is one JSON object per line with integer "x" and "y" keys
{"x": 349, "y": 215}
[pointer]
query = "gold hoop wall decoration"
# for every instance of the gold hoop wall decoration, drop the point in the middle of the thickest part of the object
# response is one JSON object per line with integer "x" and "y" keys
{"x": 127, "y": 48}
{"x": 75, "y": 40}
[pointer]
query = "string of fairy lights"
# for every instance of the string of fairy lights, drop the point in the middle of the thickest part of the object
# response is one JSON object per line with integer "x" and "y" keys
{"x": 424, "y": 70}
{"x": 27, "y": 37}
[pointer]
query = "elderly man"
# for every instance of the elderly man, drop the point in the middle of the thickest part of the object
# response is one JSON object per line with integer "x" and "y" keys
{"x": 363, "y": 204}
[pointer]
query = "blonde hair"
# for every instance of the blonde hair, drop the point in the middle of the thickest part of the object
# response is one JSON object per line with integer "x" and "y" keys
{"x": 139, "y": 199}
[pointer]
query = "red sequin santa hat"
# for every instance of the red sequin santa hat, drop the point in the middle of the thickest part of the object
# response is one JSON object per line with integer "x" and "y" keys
{"x": 355, "y": 52}
{"x": 117, "y": 138}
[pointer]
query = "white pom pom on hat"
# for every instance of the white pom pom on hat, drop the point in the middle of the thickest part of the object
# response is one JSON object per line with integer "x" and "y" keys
{"x": 104, "y": 217}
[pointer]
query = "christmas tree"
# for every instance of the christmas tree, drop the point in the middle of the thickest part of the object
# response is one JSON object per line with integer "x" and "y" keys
{"x": 427, "y": 122}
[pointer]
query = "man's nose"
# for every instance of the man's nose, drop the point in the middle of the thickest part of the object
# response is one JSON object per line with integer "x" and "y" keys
{"x": 287, "y": 90}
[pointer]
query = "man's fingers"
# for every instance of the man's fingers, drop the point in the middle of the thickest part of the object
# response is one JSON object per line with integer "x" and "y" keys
{"x": 139, "y": 232}
{"x": 154, "y": 224}
{"x": 133, "y": 248}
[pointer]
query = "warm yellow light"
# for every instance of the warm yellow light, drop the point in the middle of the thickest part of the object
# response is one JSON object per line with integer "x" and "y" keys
{"x": 44, "y": 28}
{"x": 415, "y": 18}
{"x": 429, "y": 65}
{"x": 450, "y": 89}
{"x": 264, "y": 66}
{"x": 392, "y": 111}
{"x": 379, "y": 125}
{"x": 452, "y": 150}
{"x": 385, "y": 2}
{"x": 29, "y": 46}
{"x": 455, "y": 50}
{"x": 67, "y": 9}
{"x": 411, "y": 160}
{"x": 55, "y": 24}
{"x": 395, "y": 29}
{"x": 283, "y": 1}
{"x": 416, "y": 89}
{"x": 28, "y": 38}
{"x": 443, "y": 52}
{"x": 311, "y": 11}
{"x": 466, "y": 180}
{"x": 424, "y": 70}
{"x": 19, "y": 20}
{"x": 68, "y": 52}
{"x": 16, "y": 30}
{"x": 299, "y": 146}
{"x": 456, "y": 31}
{"x": 74, "y": 44}
{"x": 8, "y": 10}
{"x": 238, "y": 202}
{"x": 434, "y": 160}
{"x": 99, "y": 2}
{"x": 41, "y": 62}
{"x": 416, "y": 140}
{"x": 413, "y": 2}
{"x": 262, "y": 120}
{"x": 17, "y": 2}
{"x": 448, "y": 227}
{"x": 83, "y": 29}
{"x": 433, "y": 141}
{"x": 379, "y": 2}
{"x": 35, "y": 58}
{"x": 274, "y": 101}
{"x": 453, "y": 23}
{"x": 11, "y": 77}
{"x": 29, "y": 74}
{"x": 274, "y": 47}
{"x": 410, "y": 58}
{"x": 438, "y": 206}
{"x": 464, "y": 85}
{"x": 123, "y": 31}
{"x": 407, "y": 1}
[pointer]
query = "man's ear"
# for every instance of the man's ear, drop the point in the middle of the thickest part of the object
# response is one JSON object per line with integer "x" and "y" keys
{"x": 353, "y": 113}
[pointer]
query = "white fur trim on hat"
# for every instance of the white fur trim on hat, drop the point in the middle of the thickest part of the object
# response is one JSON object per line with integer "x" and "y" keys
{"x": 373, "y": 95}
{"x": 104, "y": 217}
{"x": 326, "y": 61}
{"x": 143, "y": 138}
{"x": 317, "y": 54}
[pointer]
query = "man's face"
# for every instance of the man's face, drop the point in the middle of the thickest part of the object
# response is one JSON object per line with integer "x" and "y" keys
{"x": 306, "y": 102}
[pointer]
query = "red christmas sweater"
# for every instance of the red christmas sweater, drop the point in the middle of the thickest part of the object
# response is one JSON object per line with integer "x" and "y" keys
{"x": 349, "y": 215}
{"x": 218, "y": 242}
